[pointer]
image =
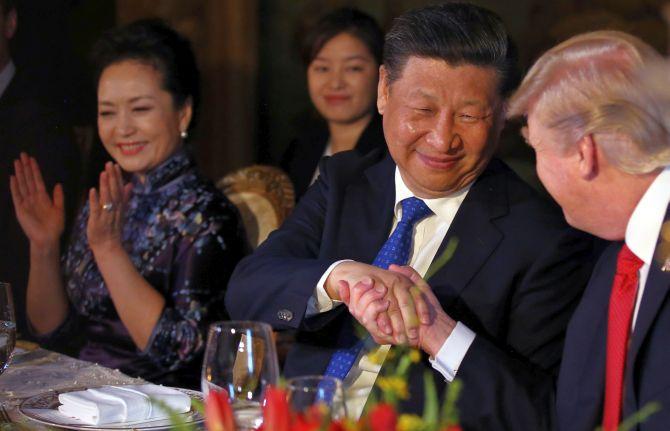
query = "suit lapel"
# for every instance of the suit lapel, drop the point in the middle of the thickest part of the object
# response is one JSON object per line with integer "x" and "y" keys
{"x": 368, "y": 205}
{"x": 474, "y": 231}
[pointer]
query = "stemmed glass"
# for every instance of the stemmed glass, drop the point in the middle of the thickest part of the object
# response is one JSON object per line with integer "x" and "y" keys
{"x": 322, "y": 392}
{"x": 7, "y": 326}
{"x": 241, "y": 359}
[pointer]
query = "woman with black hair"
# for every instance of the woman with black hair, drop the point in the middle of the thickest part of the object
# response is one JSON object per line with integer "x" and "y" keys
{"x": 147, "y": 265}
{"x": 342, "y": 54}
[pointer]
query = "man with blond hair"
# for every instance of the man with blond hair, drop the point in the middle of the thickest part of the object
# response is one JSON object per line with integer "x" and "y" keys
{"x": 600, "y": 133}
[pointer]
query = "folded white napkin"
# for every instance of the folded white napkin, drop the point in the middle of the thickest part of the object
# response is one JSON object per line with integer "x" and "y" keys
{"x": 131, "y": 403}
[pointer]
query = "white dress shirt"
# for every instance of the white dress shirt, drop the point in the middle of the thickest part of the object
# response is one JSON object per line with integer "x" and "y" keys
{"x": 6, "y": 76}
{"x": 427, "y": 236}
{"x": 644, "y": 227}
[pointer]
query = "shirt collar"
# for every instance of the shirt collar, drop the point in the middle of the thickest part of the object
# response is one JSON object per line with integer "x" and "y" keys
{"x": 645, "y": 222}
{"x": 444, "y": 208}
{"x": 6, "y": 76}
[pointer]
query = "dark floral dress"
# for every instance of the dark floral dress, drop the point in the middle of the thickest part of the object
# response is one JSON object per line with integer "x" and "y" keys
{"x": 185, "y": 238}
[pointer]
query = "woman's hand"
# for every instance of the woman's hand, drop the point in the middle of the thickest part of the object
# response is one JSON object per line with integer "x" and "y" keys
{"x": 41, "y": 217}
{"x": 106, "y": 208}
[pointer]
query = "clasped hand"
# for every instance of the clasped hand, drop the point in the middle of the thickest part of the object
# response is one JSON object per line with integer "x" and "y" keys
{"x": 395, "y": 306}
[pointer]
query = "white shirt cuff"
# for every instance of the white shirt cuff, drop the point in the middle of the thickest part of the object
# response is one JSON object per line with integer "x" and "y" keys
{"x": 320, "y": 302}
{"x": 452, "y": 352}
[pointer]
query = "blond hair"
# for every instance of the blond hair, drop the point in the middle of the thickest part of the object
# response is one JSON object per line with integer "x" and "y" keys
{"x": 591, "y": 84}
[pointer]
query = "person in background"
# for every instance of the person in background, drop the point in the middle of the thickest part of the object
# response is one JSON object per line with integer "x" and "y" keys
{"x": 28, "y": 122}
{"x": 148, "y": 263}
{"x": 600, "y": 129}
{"x": 342, "y": 54}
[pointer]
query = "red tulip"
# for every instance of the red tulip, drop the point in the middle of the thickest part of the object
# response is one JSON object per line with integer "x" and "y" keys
{"x": 218, "y": 413}
{"x": 383, "y": 418}
{"x": 453, "y": 428}
{"x": 276, "y": 413}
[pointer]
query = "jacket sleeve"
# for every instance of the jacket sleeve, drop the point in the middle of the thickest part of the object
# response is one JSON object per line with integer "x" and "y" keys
{"x": 274, "y": 284}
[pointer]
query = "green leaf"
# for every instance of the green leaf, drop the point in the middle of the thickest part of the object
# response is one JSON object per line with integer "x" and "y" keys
{"x": 449, "y": 414}
{"x": 442, "y": 260}
{"x": 639, "y": 416}
{"x": 431, "y": 403}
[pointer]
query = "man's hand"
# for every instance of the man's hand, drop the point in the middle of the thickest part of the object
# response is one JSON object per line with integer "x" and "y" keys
{"x": 384, "y": 302}
{"x": 435, "y": 332}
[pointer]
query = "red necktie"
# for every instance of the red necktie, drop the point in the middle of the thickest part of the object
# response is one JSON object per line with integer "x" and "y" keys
{"x": 622, "y": 303}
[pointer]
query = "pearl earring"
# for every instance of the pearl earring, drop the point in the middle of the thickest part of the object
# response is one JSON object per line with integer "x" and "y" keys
{"x": 184, "y": 134}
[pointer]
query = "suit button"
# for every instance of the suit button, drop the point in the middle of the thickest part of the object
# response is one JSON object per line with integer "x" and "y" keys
{"x": 285, "y": 315}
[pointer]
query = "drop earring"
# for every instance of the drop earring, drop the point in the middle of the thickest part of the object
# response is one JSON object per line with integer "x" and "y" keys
{"x": 184, "y": 134}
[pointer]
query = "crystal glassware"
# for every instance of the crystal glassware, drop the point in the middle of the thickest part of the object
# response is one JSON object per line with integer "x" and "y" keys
{"x": 241, "y": 359}
{"x": 7, "y": 326}
{"x": 322, "y": 392}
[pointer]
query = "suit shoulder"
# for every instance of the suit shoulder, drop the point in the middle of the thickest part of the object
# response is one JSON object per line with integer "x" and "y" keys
{"x": 347, "y": 166}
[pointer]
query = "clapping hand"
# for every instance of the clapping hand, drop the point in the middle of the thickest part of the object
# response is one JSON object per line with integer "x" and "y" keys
{"x": 105, "y": 221}
{"x": 42, "y": 217}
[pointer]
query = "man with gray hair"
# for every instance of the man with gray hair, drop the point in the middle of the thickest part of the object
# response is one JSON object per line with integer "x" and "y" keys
{"x": 600, "y": 133}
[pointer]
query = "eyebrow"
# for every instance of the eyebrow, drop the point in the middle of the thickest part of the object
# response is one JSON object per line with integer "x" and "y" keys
{"x": 134, "y": 99}
{"x": 421, "y": 93}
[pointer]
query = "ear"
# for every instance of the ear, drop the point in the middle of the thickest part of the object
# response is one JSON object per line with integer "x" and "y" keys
{"x": 10, "y": 24}
{"x": 382, "y": 90}
{"x": 185, "y": 115}
{"x": 588, "y": 157}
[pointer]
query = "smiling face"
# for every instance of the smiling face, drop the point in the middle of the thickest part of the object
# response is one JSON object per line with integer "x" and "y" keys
{"x": 342, "y": 79}
{"x": 441, "y": 123}
{"x": 138, "y": 122}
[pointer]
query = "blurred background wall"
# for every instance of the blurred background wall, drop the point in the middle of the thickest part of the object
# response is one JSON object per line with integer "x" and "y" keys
{"x": 254, "y": 92}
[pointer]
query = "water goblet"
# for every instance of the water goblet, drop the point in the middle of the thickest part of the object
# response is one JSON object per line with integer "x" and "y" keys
{"x": 241, "y": 359}
{"x": 324, "y": 393}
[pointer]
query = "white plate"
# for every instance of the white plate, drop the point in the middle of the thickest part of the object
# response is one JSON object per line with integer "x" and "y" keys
{"x": 43, "y": 408}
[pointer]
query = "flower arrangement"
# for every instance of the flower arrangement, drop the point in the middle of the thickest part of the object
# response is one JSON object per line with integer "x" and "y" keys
{"x": 381, "y": 414}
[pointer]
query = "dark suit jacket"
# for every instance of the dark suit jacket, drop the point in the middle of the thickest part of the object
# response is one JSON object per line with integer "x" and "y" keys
{"x": 27, "y": 124}
{"x": 302, "y": 156}
{"x": 515, "y": 276}
{"x": 581, "y": 384}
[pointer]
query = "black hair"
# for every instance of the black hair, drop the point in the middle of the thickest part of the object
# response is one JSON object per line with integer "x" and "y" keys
{"x": 7, "y": 5}
{"x": 458, "y": 33}
{"x": 153, "y": 42}
{"x": 344, "y": 20}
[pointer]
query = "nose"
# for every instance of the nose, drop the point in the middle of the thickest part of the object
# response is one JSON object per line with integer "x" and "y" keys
{"x": 336, "y": 79}
{"x": 443, "y": 137}
{"x": 125, "y": 125}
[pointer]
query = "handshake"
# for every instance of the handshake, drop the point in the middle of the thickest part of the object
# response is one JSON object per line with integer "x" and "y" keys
{"x": 396, "y": 306}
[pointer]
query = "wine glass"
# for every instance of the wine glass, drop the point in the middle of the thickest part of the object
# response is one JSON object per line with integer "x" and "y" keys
{"x": 7, "y": 326}
{"x": 323, "y": 392}
{"x": 241, "y": 359}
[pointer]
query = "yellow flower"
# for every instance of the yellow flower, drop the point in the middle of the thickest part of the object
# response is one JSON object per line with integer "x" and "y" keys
{"x": 377, "y": 357}
{"x": 414, "y": 356}
{"x": 395, "y": 385}
{"x": 410, "y": 423}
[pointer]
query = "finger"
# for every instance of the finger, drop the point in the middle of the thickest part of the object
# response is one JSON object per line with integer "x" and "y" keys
{"x": 344, "y": 291}
{"x": 105, "y": 197}
{"x": 366, "y": 300}
{"x": 20, "y": 179}
{"x": 384, "y": 323}
{"x": 37, "y": 175}
{"x": 408, "y": 312}
{"x": 115, "y": 192}
{"x": 397, "y": 324}
{"x": 359, "y": 289}
{"x": 374, "y": 309}
{"x": 28, "y": 173}
{"x": 127, "y": 190}
{"x": 420, "y": 286}
{"x": 59, "y": 197}
{"x": 14, "y": 190}
{"x": 93, "y": 205}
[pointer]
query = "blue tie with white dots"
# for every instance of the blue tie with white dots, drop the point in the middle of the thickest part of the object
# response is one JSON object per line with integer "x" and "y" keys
{"x": 395, "y": 250}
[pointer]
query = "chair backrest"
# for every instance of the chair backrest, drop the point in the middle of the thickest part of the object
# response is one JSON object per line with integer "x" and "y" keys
{"x": 264, "y": 197}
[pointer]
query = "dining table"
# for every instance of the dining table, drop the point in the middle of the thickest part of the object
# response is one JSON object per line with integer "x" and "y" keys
{"x": 34, "y": 371}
